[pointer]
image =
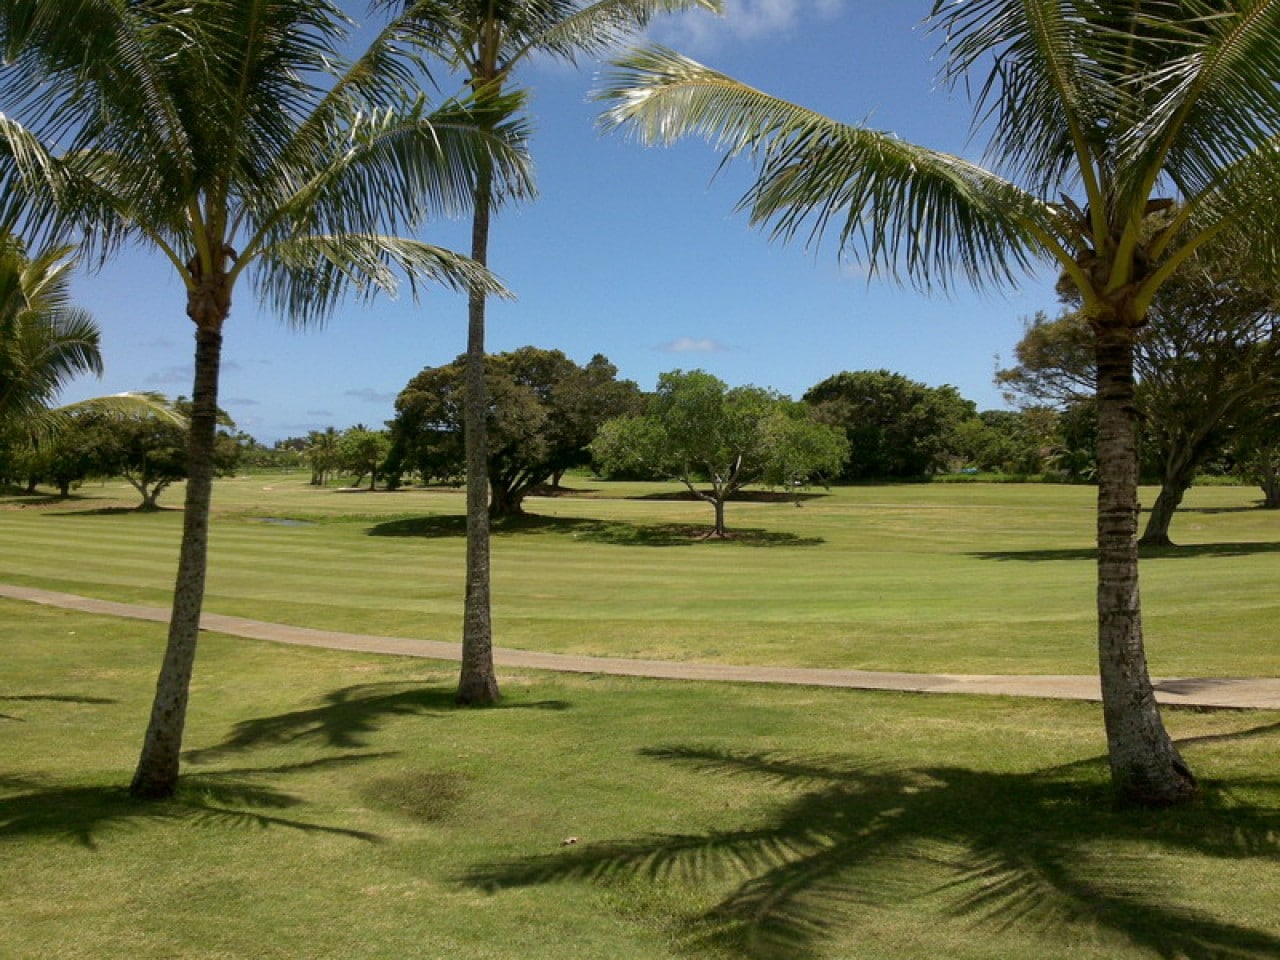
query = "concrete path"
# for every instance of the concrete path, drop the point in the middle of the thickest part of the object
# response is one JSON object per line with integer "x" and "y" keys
{"x": 1203, "y": 692}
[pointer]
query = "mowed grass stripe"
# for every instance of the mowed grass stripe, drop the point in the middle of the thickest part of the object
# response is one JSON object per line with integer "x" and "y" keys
{"x": 936, "y": 578}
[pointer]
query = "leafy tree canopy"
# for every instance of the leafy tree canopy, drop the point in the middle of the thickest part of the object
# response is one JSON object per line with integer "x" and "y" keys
{"x": 544, "y": 410}
{"x": 896, "y": 427}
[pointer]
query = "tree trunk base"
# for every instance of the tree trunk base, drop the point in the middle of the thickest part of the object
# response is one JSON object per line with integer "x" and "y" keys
{"x": 141, "y": 789}
{"x": 1137, "y": 790}
{"x": 478, "y": 692}
{"x": 1157, "y": 540}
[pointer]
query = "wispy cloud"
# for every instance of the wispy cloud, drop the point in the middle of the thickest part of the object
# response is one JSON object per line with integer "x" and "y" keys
{"x": 183, "y": 374}
{"x": 242, "y": 402}
{"x": 319, "y": 413}
{"x": 170, "y": 375}
{"x": 693, "y": 345}
{"x": 369, "y": 395}
{"x": 744, "y": 20}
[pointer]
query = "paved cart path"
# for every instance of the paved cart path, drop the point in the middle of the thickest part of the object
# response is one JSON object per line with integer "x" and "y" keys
{"x": 1244, "y": 693}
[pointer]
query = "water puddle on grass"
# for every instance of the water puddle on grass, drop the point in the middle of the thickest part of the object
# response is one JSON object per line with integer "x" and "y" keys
{"x": 285, "y": 522}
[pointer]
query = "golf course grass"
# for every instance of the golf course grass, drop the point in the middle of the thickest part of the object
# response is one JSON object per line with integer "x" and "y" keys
{"x": 980, "y": 578}
{"x": 336, "y": 805}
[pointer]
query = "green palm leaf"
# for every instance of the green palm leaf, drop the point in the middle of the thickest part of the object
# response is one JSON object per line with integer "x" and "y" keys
{"x": 899, "y": 208}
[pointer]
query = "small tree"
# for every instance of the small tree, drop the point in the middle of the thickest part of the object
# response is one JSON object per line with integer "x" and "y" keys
{"x": 361, "y": 451}
{"x": 150, "y": 451}
{"x": 321, "y": 452}
{"x": 698, "y": 430}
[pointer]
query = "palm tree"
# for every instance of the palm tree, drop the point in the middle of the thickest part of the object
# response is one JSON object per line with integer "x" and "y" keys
{"x": 45, "y": 340}
{"x": 228, "y": 135}
{"x": 485, "y": 41}
{"x": 1103, "y": 115}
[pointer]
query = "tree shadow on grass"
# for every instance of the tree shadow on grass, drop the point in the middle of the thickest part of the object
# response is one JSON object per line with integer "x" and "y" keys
{"x": 223, "y": 798}
{"x": 742, "y": 496}
{"x": 115, "y": 511}
{"x": 1044, "y": 851}
{"x": 49, "y": 698}
{"x": 1187, "y": 552}
{"x": 346, "y": 718}
{"x": 615, "y": 532}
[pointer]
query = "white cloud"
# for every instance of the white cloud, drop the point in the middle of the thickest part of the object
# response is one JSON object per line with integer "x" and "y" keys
{"x": 697, "y": 31}
{"x": 693, "y": 345}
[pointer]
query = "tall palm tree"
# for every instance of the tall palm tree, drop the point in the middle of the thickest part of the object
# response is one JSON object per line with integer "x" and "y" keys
{"x": 1103, "y": 114}
{"x": 45, "y": 340}
{"x": 232, "y": 136}
{"x": 485, "y": 41}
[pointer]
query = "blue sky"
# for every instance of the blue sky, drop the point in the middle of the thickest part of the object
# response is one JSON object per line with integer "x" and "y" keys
{"x": 629, "y": 251}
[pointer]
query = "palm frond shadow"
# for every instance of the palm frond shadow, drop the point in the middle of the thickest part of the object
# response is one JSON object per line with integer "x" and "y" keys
{"x": 999, "y": 849}
{"x": 346, "y": 718}
{"x": 227, "y": 798}
{"x": 614, "y": 532}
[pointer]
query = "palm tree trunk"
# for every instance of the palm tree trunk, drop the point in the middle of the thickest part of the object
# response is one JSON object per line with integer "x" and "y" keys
{"x": 477, "y": 682}
{"x": 156, "y": 776}
{"x": 1145, "y": 766}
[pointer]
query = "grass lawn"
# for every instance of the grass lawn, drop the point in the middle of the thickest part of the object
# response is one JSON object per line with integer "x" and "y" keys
{"x": 337, "y": 806}
{"x": 953, "y": 578}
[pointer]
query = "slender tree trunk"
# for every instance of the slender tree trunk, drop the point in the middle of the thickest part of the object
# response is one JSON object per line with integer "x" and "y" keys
{"x": 477, "y": 681}
{"x": 719, "y": 532}
{"x": 1145, "y": 766}
{"x": 156, "y": 776}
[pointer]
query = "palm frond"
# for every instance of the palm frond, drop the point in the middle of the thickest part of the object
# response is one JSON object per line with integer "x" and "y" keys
{"x": 304, "y": 278}
{"x": 1046, "y": 93}
{"x": 1215, "y": 99}
{"x": 392, "y": 171}
{"x": 903, "y": 210}
{"x": 598, "y": 28}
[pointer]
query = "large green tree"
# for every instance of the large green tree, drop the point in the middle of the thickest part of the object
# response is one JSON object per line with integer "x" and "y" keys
{"x": 897, "y": 427}
{"x": 1101, "y": 115}
{"x": 544, "y": 411}
{"x": 235, "y": 139}
{"x": 715, "y": 439}
{"x": 485, "y": 42}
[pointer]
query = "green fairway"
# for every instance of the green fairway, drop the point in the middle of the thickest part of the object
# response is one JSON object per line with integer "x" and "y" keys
{"x": 934, "y": 577}
{"x": 337, "y": 807}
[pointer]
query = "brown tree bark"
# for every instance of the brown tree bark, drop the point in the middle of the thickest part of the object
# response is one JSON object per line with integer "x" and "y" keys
{"x": 156, "y": 776}
{"x": 1145, "y": 766}
{"x": 1172, "y": 490}
{"x": 477, "y": 680}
